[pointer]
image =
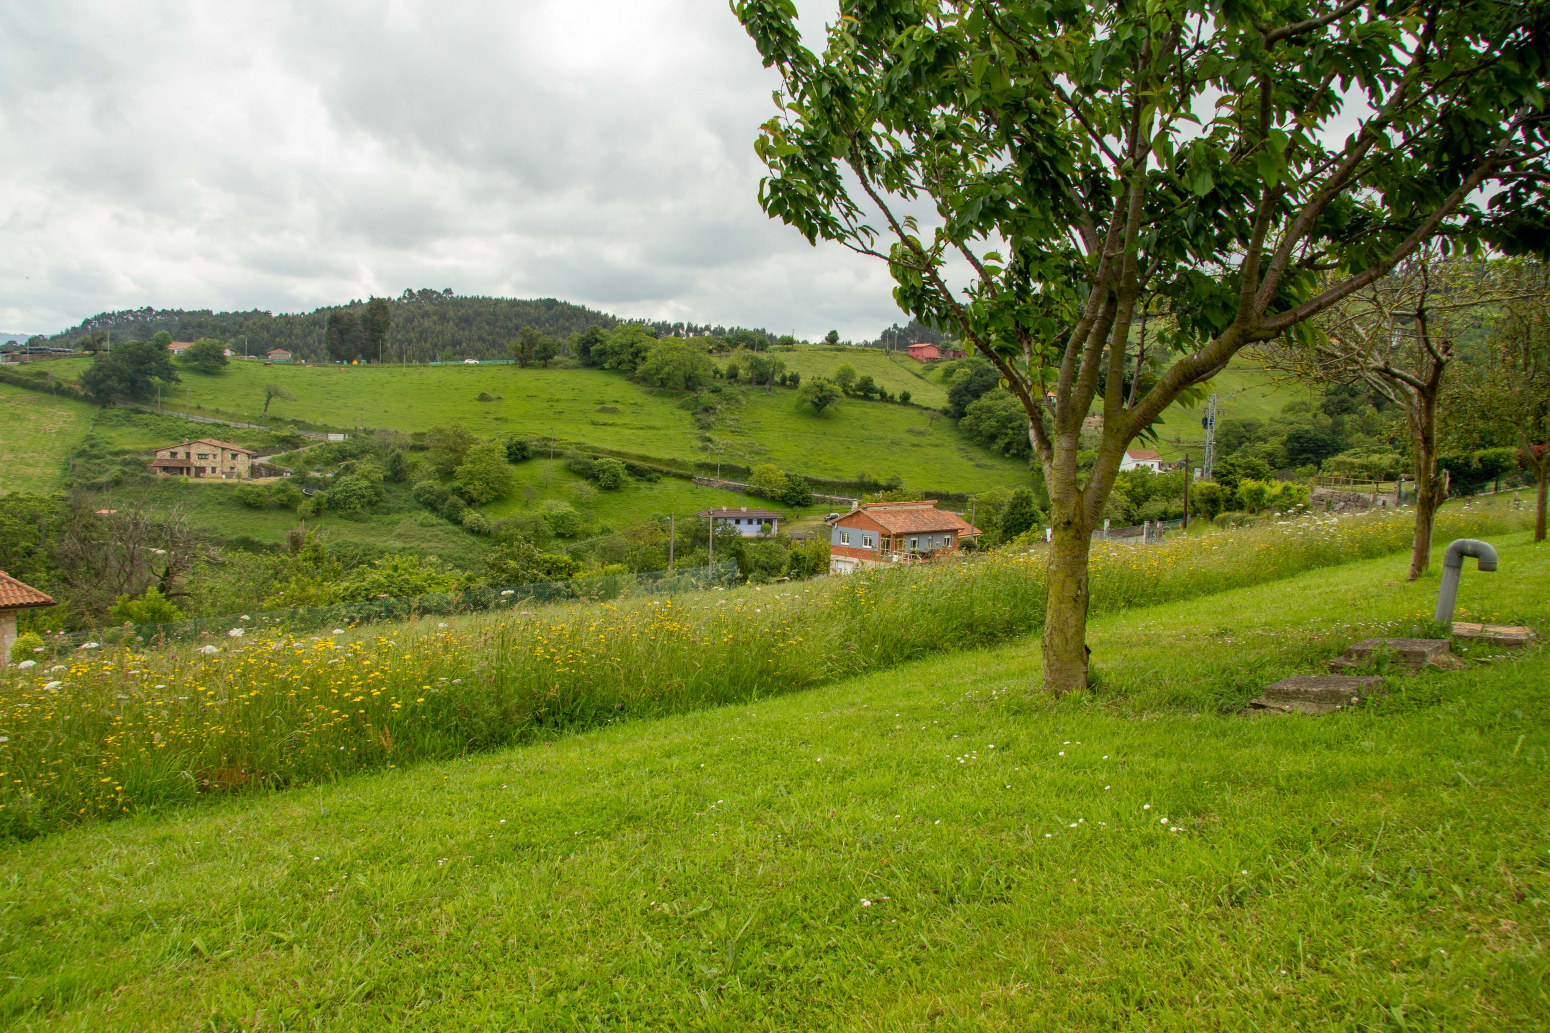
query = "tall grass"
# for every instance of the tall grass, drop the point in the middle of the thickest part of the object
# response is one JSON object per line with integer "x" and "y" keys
{"x": 114, "y": 732}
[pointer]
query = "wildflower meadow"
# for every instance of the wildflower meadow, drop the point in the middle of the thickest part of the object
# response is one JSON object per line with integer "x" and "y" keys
{"x": 113, "y": 731}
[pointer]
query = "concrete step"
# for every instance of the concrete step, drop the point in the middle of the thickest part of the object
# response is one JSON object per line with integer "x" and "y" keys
{"x": 1414, "y": 654}
{"x": 1318, "y": 693}
{"x": 1495, "y": 634}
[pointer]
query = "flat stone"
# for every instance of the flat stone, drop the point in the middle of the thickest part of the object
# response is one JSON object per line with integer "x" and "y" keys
{"x": 1318, "y": 693}
{"x": 1412, "y": 653}
{"x": 1496, "y": 634}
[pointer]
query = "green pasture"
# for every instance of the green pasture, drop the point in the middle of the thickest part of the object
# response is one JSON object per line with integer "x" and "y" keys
{"x": 606, "y": 410}
{"x": 938, "y": 846}
{"x": 894, "y": 371}
{"x": 39, "y": 430}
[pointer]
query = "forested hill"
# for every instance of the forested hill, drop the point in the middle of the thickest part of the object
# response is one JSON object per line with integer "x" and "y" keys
{"x": 426, "y": 325}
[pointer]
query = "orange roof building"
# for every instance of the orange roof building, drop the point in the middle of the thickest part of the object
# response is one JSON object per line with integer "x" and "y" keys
{"x": 880, "y": 533}
{"x": 14, "y": 597}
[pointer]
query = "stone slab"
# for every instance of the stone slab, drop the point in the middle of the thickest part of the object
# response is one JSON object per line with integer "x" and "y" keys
{"x": 1318, "y": 693}
{"x": 1412, "y": 653}
{"x": 1496, "y": 634}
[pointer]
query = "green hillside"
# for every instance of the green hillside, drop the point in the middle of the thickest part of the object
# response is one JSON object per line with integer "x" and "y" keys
{"x": 604, "y": 409}
{"x": 936, "y": 846}
{"x": 39, "y": 430}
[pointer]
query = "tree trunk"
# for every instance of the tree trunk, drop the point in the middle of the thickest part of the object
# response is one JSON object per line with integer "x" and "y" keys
{"x": 1430, "y": 490}
{"x": 1539, "y": 514}
{"x": 1066, "y": 597}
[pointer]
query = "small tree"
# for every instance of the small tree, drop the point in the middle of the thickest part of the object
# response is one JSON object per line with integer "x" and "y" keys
{"x": 769, "y": 479}
{"x": 831, "y": 338}
{"x": 820, "y": 394}
{"x": 273, "y": 391}
{"x": 609, "y": 473}
{"x": 484, "y": 475}
{"x": 205, "y": 355}
{"x": 845, "y": 377}
{"x": 518, "y": 450}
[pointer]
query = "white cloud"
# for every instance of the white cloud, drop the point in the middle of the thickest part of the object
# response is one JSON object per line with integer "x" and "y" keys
{"x": 283, "y": 156}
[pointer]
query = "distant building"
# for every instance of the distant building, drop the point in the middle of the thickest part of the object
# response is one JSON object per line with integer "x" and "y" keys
{"x": 1141, "y": 459}
{"x": 206, "y": 457}
{"x": 178, "y": 347}
{"x": 933, "y": 352}
{"x": 879, "y": 533}
{"x": 278, "y": 355}
{"x": 746, "y": 522}
{"x": 15, "y": 597}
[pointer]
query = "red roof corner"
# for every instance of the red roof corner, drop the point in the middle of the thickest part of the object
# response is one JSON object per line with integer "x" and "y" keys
{"x": 16, "y": 596}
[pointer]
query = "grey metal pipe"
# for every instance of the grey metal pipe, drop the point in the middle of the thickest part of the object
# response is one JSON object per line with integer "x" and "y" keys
{"x": 1452, "y": 566}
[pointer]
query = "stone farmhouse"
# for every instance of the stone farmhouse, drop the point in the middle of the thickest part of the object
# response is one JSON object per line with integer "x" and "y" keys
{"x": 15, "y": 597}
{"x": 747, "y": 522}
{"x": 879, "y": 533}
{"x": 206, "y": 457}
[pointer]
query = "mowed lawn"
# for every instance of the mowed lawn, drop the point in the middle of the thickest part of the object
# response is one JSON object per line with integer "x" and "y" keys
{"x": 934, "y": 847}
{"x": 39, "y": 430}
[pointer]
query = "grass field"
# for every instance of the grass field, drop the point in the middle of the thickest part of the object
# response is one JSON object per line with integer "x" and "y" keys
{"x": 933, "y": 847}
{"x": 39, "y": 430}
{"x": 604, "y": 409}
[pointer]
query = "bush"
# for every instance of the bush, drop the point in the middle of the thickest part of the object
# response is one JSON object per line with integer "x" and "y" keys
{"x": 397, "y": 466}
{"x": 609, "y": 474}
{"x": 580, "y": 465}
{"x": 642, "y": 472}
{"x": 252, "y": 495}
{"x": 562, "y": 518}
{"x": 25, "y": 644}
{"x": 285, "y": 495}
{"x": 476, "y": 522}
{"x": 904, "y": 398}
{"x": 150, "y": 608}
{"x": 354, "y": 493}
{"x": 797, "y": 493}
{"x": 769, "y": 479}
{"x": 1207, "y": 499}
{"x": 454, "y": 508}
{"x": 518, "y": 450}
{"x": 485, "y": 474}
{"x": 430, "y": 494}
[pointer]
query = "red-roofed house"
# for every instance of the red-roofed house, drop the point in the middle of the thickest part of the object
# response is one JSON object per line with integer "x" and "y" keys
{"x": 14, "y": 597}
{"x": 933, "y": 352}
{"x": 894, "y": 532}
{"x": 206, "y": 457}
{"x": 1141, "y": 459}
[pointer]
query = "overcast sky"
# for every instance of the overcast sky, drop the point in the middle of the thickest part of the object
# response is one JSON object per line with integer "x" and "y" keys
{"x": 283, "y": 156}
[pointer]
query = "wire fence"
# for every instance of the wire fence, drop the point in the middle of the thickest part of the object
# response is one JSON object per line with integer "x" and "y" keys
{"x": 301, "y": 619}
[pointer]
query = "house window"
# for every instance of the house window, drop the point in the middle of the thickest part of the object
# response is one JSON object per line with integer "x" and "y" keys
{"x": 866, "y": 541}
{"x": 844, "y": 537}
{"x": 914, "y": 545}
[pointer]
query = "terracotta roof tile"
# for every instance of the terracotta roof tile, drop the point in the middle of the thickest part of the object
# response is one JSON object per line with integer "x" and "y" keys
{"x": 913, "y": 519}
{"x": 16, "y": 596}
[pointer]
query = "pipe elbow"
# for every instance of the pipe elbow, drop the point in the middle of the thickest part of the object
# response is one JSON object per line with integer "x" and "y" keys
{"x": 1483, "y": 552}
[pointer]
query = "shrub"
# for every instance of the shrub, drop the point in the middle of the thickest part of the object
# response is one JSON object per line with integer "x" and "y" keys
{"x": 430, "y": 494}
{"x": 252, "y": 495}
{"x": 454, "y": 508}
{"x": 1207, "y": 499}
{"x": 561, "y": 516}
{"x": 904, "y": 397}
{"x": 518, "y": 450}
{"x": 476, "y": 522}
{"x": 24, "y": 646}
{"x": 820, "y": 394}
{"x": 609, "y": 473}
{"x": 642, "y": 472}
{"x": 354, "y": 493}
{"x": 769, "y": 479}
{"x": 285, "y": 495}
{"x": 484, "y": 475}
{"x": 397, "y": 466}
{"x": 797, "y": 492}
{"x": 150, "y": 608}
{"x": 580, "y": 465}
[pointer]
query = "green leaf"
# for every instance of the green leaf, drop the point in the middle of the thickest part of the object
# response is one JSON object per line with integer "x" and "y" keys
{"x": 1203, "y": 183}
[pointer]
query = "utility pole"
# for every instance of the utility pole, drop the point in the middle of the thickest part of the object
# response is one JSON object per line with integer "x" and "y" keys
{"x": 1208, "y": 421}
{"x": 672, "y": 537}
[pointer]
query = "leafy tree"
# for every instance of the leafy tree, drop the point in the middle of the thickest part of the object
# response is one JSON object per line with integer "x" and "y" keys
{"x": 400, "y": 577}
{"x": 996, "y": 419}
{"x": 677, "y": 366}
{"x": 1021, "y": 514}
{"x": 449, "y": 445}
{"x": 1069, "y": 135}
{"x": 484, "y": 475}
{"x": 252, "y": 495}
{"x": 798, "y": 493}
{"x": 581, "y": 465}
{"x": 130, "y": 370}
{"x": 609, "y": 473}
{"x": 518, "y": 450}
{"x": 820, "y": 394}
{"x": 561, "y": 516}
{"x": 533, "y": 345}
{"x": 626, "y": 347}
{"x": 968, "y": 387}
{"x": 845, "y": 376}
{"x": 1206, "y": 500}
{"x": 1309, "y": 446}
{"x": 352, "y": 493}
{"x": 273, "y": 391}
{"x": 1236, "y": 468}
{"x": 733, "y": 372}
{"x": 431, "y": 495}
{"x": 1234, "y": 432}
{"x": 768, "y": 478}
{"x": 833, "y": 336}
{"x": 206, "y": 355}
{"x": 286, "y": 495}
{"x": 794, "y": 379}
{"x": 904, "y": 397}
{"x": 398, "y": 466}
{"x": 589, "y": 346}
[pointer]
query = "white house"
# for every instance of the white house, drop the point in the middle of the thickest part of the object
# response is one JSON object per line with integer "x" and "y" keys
{"x": 1141, "y": 459}
{"x": 746, "y": 522}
